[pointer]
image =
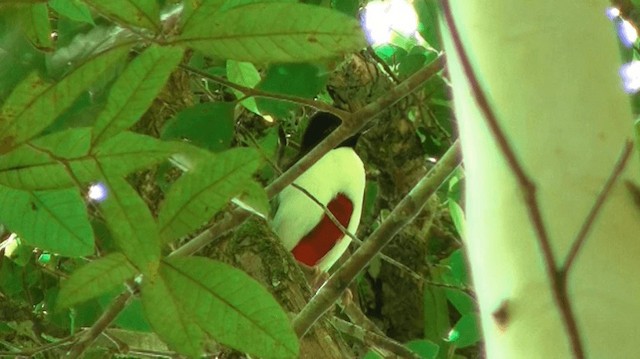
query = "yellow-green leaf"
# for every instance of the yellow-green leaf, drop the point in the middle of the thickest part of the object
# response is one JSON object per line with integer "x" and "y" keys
{"x": 134, "y": 90}
{"x": 94, "y": 279}
{"x": 34, "y": 104}
{"x": 131, "y": 224}
{"x": 142, "y": 13}
{"x": 193, "y": 297}
{"x": 196, "y": 196}
{"x": 54, "y": 221}
{"x": 274, "y": 32}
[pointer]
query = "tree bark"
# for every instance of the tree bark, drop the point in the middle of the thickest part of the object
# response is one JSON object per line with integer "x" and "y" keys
{"x": 544, "y": 123}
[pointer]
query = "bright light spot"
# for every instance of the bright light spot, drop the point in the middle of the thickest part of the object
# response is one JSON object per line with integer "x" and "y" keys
{"x": 612, "y": 13}
{"x": 10, "y": 245}
{"x": 97, "y": 192}
{"x": 630, "y": 73}
{"x": 384, "y": 18}
{"x": 453, "y": 336}
{"x": 267, "y": 118}
{"x": 627, "y": 33}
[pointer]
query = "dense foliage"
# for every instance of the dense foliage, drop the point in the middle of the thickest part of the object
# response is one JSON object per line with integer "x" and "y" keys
{"x": 176, "y": 112}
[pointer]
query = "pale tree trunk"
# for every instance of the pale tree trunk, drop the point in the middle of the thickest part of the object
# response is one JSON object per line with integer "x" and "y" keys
{"x": 554, "y": 130}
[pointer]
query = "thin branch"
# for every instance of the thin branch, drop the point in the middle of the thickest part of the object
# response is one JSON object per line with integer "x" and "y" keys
{"x": 559, "y": 291}
{"x": 595, "y": 210}
{"x": 89, "y": 336}
{"x": 251, "y": 92}
{"x": 33, "y": 351}
{"x": 373, "y": 339}
{"x": 350, "y": 126}
{"x": 402, "y": 215}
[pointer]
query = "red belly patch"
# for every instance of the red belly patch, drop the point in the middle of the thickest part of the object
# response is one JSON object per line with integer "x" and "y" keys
{"x": 319, "y": 241}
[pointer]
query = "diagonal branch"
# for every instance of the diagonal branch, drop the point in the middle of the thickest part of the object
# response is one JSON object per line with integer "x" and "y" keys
{"x": 595, "y": 210}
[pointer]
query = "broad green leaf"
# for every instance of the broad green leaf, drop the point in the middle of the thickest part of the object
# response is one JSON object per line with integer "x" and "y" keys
{"x": 37, "y": 165}
{"x": 457, "y": 269}
{"x": 222, "y": 302}
{"x": 134, "y": 90}
{"x": 54, "y": 221}
{"x": 35, "y": 24}
{"x": 196, "y": 196}
{"x": 461, "y": 300}
{"x": 63, "y": 159}
{"x": 131, "y": 224}
{"x": 424, "y": 348}
{"x": 466, "y": 332}
{"x": 169, "y": 318}
{"x": 129, "y": 151}
{"x": 427, "y": 11}
{"x": 142, "y": 13}
{"x": 33, "y": 105}
{"x": 348, "y": 7}
{"x": 275, "y": 32}
{"x": 302, "y": 80}
{"x": 230, "y": 4}
{"x": 436, "y": 317}
{"x": 209, "y": 125}
{"x": 73, "y": 9}
{"x": 245, "y": 74}
{"x": 94, "y": 279}
{"x": 254, "y": 199}
{"x": 196, "y": 12}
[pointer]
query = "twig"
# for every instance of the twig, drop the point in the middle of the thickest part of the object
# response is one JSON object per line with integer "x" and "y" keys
{"x": 33, "y": 351}
{"x": 404, "y": 212}
{"x": 595, "y": 210}
{"x": 251, "y": 92}
{"x": 374, "y": 339}
{"x": 88, "y": 336}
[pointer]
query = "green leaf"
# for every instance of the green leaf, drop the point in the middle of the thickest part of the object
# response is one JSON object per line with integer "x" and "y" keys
{"x": 348, "y": 7}
{"x": 94, "y": 279}
{"x": 131, "y": 224}
{"x": 436, "y": 317}
{"x": 461, "y": 300}
{"x": 73, "y": 9}
{"x": 34, "y": 104}
{"x": 302, "y": 80}
{"x": 196, "y": 196}
{"x": 54, "y": 221}
{"x": 274, "y": 32}
{"x": 254, "y": 199}
{"x": 197, "y": 297}
{"x": 142, "y": 13}
{"x": 36, "y": 166}
{"x": 62, "y": 159}
{"x": 427, "y": 12}
{"x": 466, "y": 332}
{"x": 457, "y": 271}
{"x": 457, "y": 215}
{"x": 128, "y": 151}
{"x": 209, "y": 125}
{"x": 245, "y": 74}
{"x": 35, "y": 24}
{"x": 196, "y": 12}
{"x": 134, "y": 90}
{"x": 424, "y": 348}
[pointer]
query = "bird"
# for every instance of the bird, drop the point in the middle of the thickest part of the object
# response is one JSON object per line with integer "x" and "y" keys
{"x": 337, "y": 181}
